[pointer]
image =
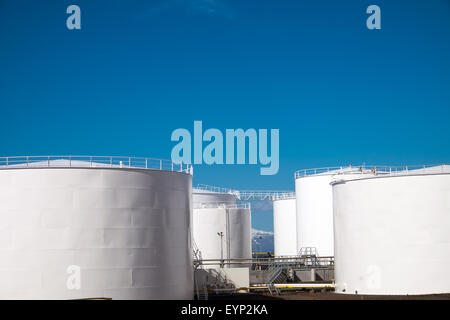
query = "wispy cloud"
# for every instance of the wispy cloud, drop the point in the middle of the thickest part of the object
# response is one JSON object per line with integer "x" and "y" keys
{"x": 261, "y": 232}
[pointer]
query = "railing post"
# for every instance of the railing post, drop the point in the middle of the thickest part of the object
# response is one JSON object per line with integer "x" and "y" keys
{"x": 7, "y": 162}
{"x": 70, "y": 161}
{"x": 91, "y": 161}
{"x": 48, "y": 161}
{"x": 27, "y": 161}
{"x": 110, "y": 161}
{"x": 160, "y": 164}
{"x": 146, "y": 163}
{"x": 129, "y": 162}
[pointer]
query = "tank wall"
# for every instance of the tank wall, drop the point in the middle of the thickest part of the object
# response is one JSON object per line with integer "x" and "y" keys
{"x": 314, "y": 209}
{"x": 392, "y": 235}
{"x": 285, "y": 227}
{"x": 239, "y": 234}
{"x": 127, "y": 231}
{"x": 235, "y": 225}
{"x": 207, "y": 223}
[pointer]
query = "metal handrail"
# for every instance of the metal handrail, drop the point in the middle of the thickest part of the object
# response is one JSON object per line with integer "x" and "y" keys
{"x": 214, "y": 189}
{"x": 274, "y": 274}
{"x": 250, "y": 194}
{"x": 263, "y": 194}
{"x": 382, "y": 170}
{"x": 284, "y": 196}
{"x": 221, "y": 205}
{"x": 73, "y": 161}
{"x": 325, "y": 261}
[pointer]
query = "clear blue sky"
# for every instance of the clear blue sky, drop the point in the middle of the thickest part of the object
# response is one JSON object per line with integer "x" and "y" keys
{"x": 338, "y": 92}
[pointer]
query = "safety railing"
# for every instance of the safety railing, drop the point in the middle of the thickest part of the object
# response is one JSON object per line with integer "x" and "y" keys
{"x": 93, "y": 162}
{"x": 205, "y": 205}
{"x": 284, "y": 196}
{"x": 214, "y": 189}
{"x": 247, "y": 195}
{"x": 275, "y": 272}
{"x": 262, "y": 194}
{"x": 296, "y": 261}
{"x": 377, "y": 170}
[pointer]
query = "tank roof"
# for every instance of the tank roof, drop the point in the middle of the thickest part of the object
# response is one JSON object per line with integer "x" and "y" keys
{"x": 24, "y": 162}
{"x": 403, "y": 171}
{"x": 376, "y": 170}
{"x": 333, "y": 170}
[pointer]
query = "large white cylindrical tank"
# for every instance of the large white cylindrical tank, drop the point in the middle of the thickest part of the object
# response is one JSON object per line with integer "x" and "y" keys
{"x": 284, "y": 226}
{"x": 314, "y": 206}
{"x": 221, "y": 227}
{"x": 72, "y": 233}
{"x": 392, "y": 234}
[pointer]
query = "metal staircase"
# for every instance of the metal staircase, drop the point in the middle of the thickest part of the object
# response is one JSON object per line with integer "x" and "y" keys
{"x": 197, "y": 255}
{"x": 309, "y": 256}
{"x": 201, "y": 293}
{"x": 277, "y": 274}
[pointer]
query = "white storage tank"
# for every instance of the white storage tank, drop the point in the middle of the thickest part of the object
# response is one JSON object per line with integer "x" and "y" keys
{"x": 284, "y": 225}
{"x": 392, "y": 233}
{"x": 87, "y": 227}
{"x": 221, "y": 226}
{"x": 315, "y": 206}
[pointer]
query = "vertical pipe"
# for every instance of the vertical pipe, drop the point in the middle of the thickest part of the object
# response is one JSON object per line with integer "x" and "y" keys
{"x": 313, "y": 274}
{"x": 221, "y": 249}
